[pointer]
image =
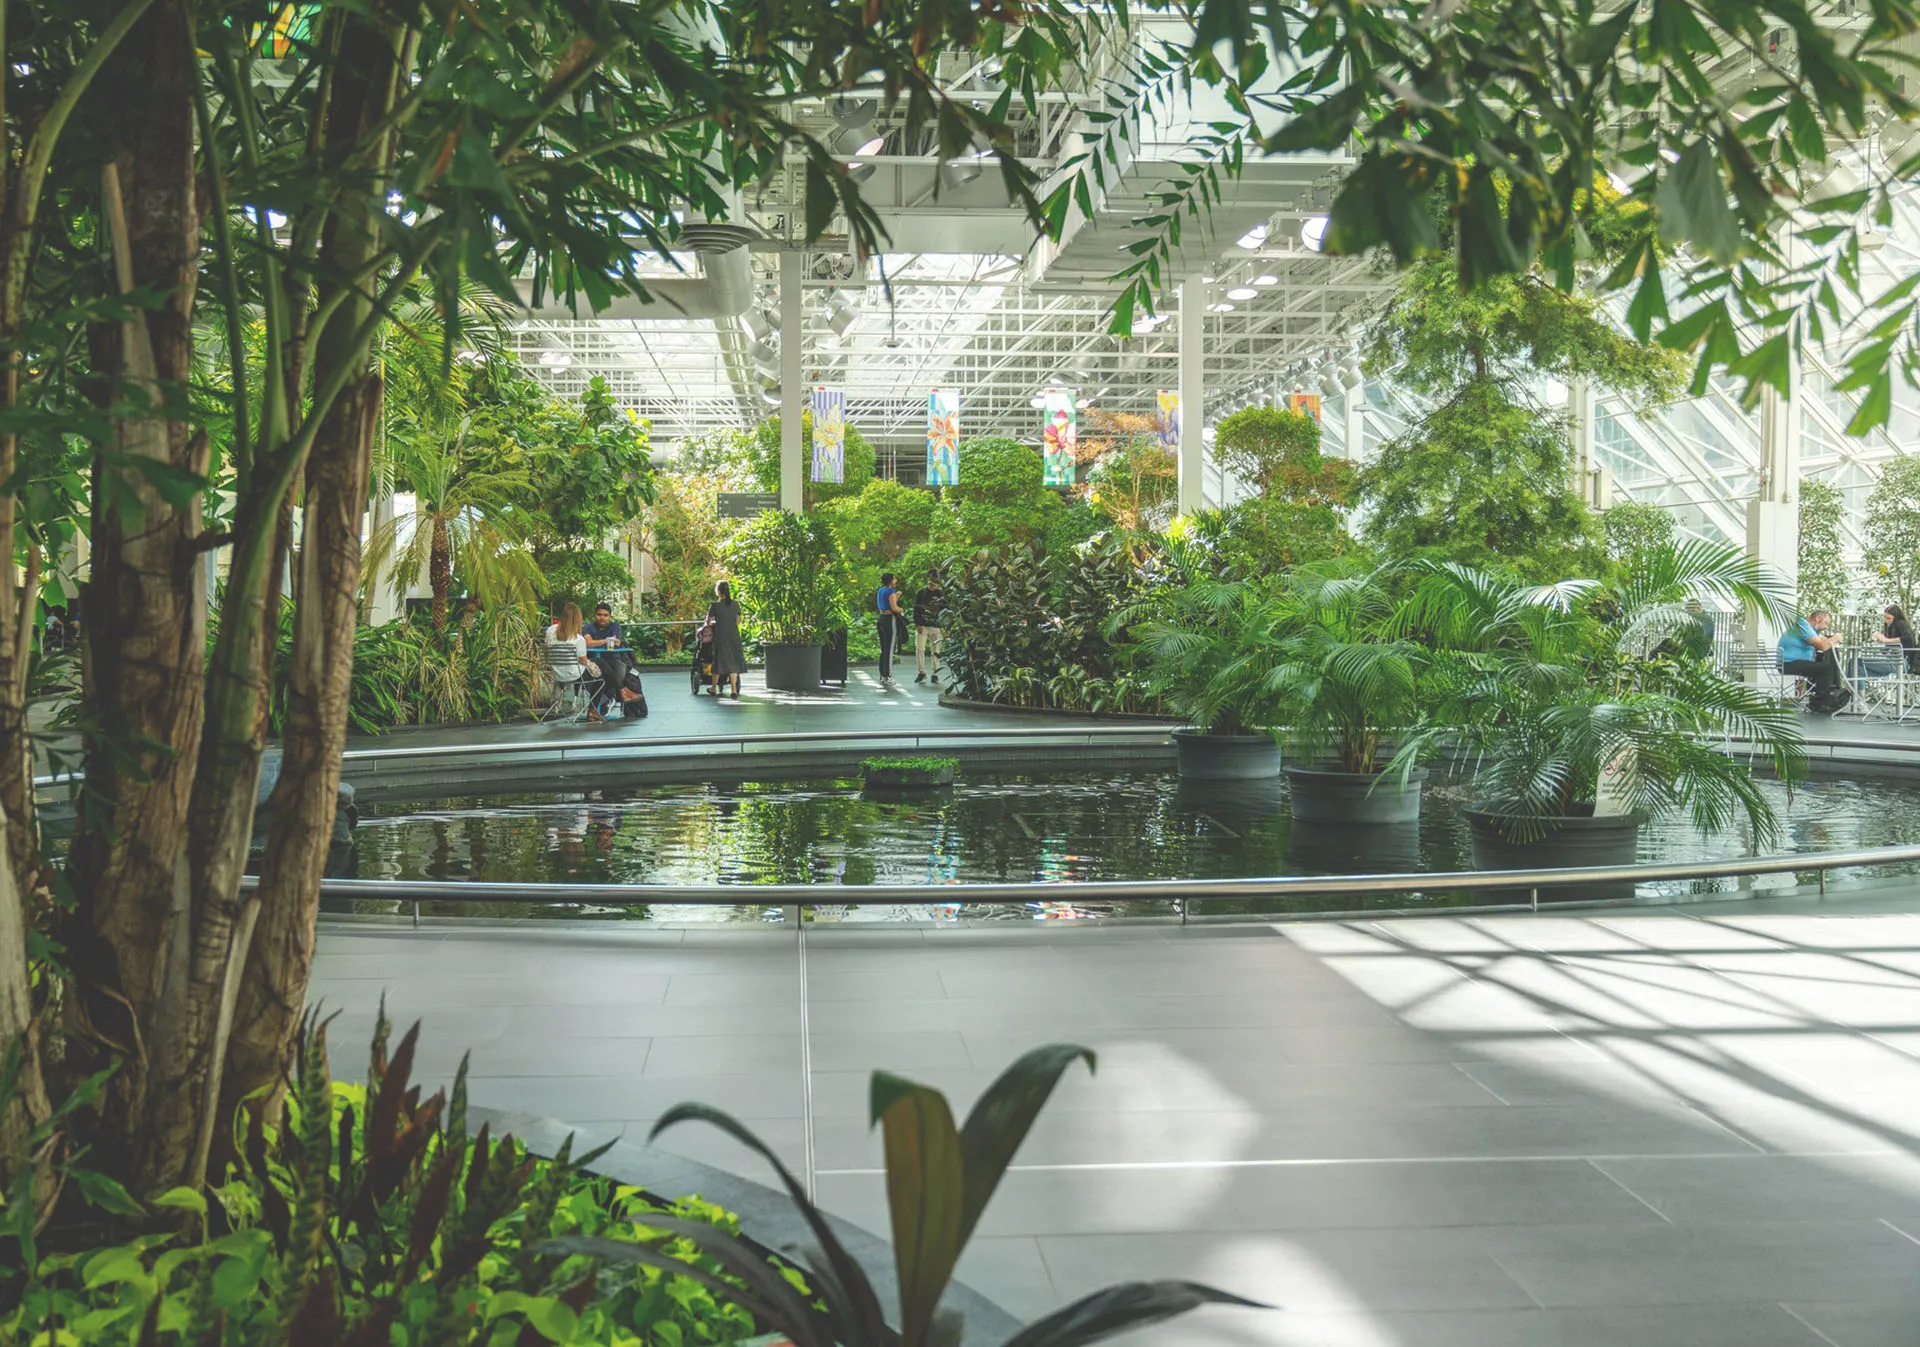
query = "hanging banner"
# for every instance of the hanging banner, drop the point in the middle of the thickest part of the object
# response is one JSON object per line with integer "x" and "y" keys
{"x": 1307, "y": 404}
{"x": 943, "y": 437}
{"x": 1060, "y": 436}
{"x": 829, "y": 434}
{"x": 1167, "y": 403}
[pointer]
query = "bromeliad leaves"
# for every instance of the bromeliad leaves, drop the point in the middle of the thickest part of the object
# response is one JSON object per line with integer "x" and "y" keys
{"x": 939, "y": 1181}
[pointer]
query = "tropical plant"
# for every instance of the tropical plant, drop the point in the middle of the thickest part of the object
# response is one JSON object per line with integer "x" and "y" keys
{"x": 909, "y": 764}
{"x": 1134, "y": 481}
{"x": 586, "y": 576}
{"x": 762, "y": 448}
{"x": 1632, "y": 527}
{"x": 1824, "y": 582}
{"x": 368, "y": 1216}
{"x": 685, "y": 539}
{"x": 882, "y": 521}
{"x": 1001, "y": 496}
{"x": 939, "y": 1179}
{"x": 997, "y": 622}
{"x": 793, "y": 582}
{"x": 1277, "y": 451}
{"x": 1207, "y": 646}
{"x": 1549, "y": 689}
{"x": 1347, "y": 673}
{"x": 1892, "y": 532}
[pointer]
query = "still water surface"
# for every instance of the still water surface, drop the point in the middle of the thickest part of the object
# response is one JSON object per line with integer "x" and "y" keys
{"x": 997, "y": 827}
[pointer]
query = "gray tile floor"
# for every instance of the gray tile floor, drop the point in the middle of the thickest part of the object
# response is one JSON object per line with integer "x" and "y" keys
{"x": 1663, "y": 1129}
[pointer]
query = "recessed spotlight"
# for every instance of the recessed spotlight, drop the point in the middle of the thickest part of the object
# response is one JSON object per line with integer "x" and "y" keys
{"x": 1266, "y": 279}
{"x": 1219, "y": 308}
{"x": 1243, "y": 292}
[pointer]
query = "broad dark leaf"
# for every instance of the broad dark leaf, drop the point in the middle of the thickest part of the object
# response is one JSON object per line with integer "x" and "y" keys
{"x": 1120, "y": 1308}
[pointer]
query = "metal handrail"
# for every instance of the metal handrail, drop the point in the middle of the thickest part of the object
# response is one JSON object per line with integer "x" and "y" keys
{"x": 1188, "y": 890}
{"x": 595, "y": 747}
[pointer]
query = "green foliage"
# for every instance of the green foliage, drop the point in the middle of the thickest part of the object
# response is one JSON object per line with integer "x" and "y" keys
{"x": 940, "y": 1178}
{"x": 1347, "y": 672}
{"x": 909, "y": 764}
{"x": 792, "y": 581}
{"x": 1823, "y": 562}
{"x": 1001, "y": 498}
{"x": 485, "y": 668}
{"x": 592, "y": 469}
{"x": 1278, "y": 452}
{"x": 1484, "y": 480}
{"x": 725, "y": 454}
{"x": 1437, "y": 339}
{"x": 1892, "y": 533}
{"x": 1548, "y": 690}
{"x": 1208, "y": 646}
{"x": 1073, "y": 526}
{"x": 882, "y": 521}
{"x": 371, "y": 1216}
{"x": 996, "y": 623}
{"x": 586, "y": 576}
{"x": 1265, "y": 536}
{"x": 763, "y": 460}
{"x": 683, "y": 533}
{"x": 1135, "y": 481}
{"x": 1633, "y": 527}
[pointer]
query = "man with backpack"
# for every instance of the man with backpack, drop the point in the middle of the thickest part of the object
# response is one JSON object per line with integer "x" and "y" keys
{"x": 928, "y": 612}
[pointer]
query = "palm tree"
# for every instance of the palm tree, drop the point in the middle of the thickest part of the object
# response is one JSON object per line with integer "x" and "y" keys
{"x": 440, "y": 443}
{"x": 1346, "y": 671}
{"x": 1547, "y": 685}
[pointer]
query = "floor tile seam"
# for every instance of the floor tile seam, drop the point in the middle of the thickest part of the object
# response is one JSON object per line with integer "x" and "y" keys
{"x": 1900, "y": 1230}
{"x": 1623, "y": 1186}
{"x": 809, "y": 1154}
{"x": 1798, "y": 1318}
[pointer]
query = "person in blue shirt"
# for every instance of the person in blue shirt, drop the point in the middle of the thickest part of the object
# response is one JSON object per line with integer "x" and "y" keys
{"x": 889, "y": 620}
{"x": 1807, "y": 651}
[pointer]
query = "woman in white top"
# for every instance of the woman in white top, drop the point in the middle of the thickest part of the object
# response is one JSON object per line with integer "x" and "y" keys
{"x": 566, "y": 631}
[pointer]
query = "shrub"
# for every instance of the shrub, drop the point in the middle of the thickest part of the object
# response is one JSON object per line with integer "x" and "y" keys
{"x": 794, "y": 584}
{"x": 997, "y": 624}
{"x": 370, "y": 1216}
{"x": 1278, "y": 452}
{"x": 486, "y": 667}
{"x": 763, "y": 458}
{"x": 586, "y": 576}
{"x": 1633, "y": 527}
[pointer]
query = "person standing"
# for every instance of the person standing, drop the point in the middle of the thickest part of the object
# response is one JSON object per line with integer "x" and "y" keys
{"x": 729, "y": 656}
{"x": 888, "y": 621}
{"x": 928, "y": 611}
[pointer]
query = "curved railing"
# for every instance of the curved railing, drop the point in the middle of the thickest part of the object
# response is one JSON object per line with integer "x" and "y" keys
{"x": 1187, "y": 892}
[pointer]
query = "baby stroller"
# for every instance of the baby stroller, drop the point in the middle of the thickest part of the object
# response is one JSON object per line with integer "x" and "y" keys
{"x": 702, "y": 647}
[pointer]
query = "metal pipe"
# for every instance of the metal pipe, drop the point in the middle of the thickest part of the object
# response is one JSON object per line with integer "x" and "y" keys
{"x": 1189, "y": 890}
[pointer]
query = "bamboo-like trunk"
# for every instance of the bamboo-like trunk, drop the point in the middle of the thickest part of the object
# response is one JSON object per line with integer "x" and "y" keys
{"x": 272, "y": 993}
{"x": 145, "y": 631}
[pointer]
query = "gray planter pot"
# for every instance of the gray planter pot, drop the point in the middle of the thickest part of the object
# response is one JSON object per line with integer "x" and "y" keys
{"x": 1570, "y": 843}
{"x": 1226, "y": 757}
{"x": 1353, "y": 797}
{"x": 793, "y": 668}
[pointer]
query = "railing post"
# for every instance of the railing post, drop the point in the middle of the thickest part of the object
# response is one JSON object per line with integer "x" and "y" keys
{"x": 416, "y": 914}
{"x": 1536, "y": 900}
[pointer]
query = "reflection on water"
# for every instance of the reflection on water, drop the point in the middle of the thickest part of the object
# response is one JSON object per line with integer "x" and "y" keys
{"x": 1000, "y": 827}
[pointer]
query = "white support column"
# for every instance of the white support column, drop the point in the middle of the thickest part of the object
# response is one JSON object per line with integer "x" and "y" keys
{"x": 1773, "y": 517}
{"x": 1356, "y": 423}
{"x": 1193, "y": 391}
{"x": 1580, "y": 424}
{"x": 792, "y": 394}
{"x": 383, "y": 605}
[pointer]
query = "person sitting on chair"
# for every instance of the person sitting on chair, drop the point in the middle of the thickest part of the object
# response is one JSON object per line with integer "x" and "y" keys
{"x": 1807, "y": 651}
{"x": 565, "y": 631}
{"x": 1896, "y": 642}
{"x": 607, "y": 636}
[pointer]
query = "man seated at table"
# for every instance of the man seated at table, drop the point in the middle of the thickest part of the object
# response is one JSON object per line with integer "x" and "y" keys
{"x": 609, "y": 640}
{"x": 1807, "y": 650}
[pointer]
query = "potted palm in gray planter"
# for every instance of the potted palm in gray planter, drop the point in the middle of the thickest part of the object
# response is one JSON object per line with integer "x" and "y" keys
{"x": 795, "y": 587}
{"x": 1578, "y": 737}
{"x": 1205, "y": 648}
{"x": 1347, "y": 677}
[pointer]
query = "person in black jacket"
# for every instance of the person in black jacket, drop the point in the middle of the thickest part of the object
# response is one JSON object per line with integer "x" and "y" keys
{"x": 928, "y": 611}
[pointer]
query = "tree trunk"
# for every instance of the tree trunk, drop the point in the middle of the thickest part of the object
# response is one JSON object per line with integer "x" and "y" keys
{"x": 145, "y": 631}
{"x": 272, "y": 993}
{"x": 440, "y": 571}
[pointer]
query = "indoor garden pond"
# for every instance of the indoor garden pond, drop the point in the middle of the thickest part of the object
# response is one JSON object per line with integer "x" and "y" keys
{"x": 1003, "y": 827}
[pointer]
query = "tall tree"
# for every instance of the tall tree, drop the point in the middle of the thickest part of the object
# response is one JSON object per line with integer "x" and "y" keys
{"x": 404, "y": 144}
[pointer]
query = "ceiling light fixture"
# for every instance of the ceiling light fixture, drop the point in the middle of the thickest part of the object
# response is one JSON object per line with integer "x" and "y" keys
{"x": 1313, "y": 231}
{"x": 1253, "y": 238}
{"x": 1265, "y": 279}
{"x": 1243, "y": 292}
